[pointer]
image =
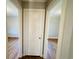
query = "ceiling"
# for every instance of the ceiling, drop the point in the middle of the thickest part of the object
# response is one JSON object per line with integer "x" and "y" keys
{"x": 35, "y": 0}
{"x": 12, "y": 10}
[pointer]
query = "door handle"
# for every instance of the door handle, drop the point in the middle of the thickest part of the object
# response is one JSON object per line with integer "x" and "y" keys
{"x": 39, "y": 37}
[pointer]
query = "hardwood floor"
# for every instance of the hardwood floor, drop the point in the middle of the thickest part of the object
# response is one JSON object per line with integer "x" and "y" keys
{"x": 51, "y": 54}
{"x": 31, "y": 57}
{"x": 52, "y": 46}
{"x": 13, "y": 48}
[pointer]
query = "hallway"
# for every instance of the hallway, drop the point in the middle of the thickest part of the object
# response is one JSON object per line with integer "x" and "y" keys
{"x": 38, "y": 27}
{"x": 29, "y": 27}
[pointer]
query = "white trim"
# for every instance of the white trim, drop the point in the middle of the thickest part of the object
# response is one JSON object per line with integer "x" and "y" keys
{"x": 20, "y": 32}
{"x": 61, "y": 29}
{"x": 65, "y": 34}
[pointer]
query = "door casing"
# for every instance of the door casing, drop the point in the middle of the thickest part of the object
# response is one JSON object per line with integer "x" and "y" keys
{"x": 26, "y": 17}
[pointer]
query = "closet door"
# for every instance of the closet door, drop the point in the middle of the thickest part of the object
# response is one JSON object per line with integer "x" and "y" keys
{"x": 33, "y": 31}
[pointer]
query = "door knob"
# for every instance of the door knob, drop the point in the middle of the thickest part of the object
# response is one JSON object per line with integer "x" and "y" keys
{"x": 39, "y": 37}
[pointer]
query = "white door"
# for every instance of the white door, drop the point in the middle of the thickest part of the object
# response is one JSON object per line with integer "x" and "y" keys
{"x": 33, "y": 31}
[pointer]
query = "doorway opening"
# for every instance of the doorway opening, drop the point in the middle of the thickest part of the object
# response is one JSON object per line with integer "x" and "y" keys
{"x": 54, "y": 16}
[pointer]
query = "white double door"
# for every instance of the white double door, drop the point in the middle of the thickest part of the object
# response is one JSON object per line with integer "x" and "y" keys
{"x": 33, "y": 22}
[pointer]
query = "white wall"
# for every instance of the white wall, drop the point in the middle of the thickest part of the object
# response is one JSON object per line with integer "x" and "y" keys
{"x": 54, "y": 12}
{"x": 12, "y": 26}
{"x": 66, "y": 31}
{"x": 53, "y": 27}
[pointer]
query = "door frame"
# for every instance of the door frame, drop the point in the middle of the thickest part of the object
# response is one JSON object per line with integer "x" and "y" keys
{"x": 43, "y": 10}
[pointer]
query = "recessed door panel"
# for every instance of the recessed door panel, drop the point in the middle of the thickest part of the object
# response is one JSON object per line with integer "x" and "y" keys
{"x": 33, "y": 31}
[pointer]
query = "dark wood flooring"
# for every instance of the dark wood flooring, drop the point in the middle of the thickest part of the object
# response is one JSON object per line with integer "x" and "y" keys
{"x": 31, "y": 57}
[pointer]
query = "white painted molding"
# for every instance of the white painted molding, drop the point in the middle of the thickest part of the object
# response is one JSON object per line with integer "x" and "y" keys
{"x": 65, "y": 33}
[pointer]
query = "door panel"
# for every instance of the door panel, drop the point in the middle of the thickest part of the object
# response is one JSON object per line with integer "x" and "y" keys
{"x": 33, "y": 31}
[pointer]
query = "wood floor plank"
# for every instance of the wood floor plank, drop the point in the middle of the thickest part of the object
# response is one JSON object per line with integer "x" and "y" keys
{"x": 52, "y": 47}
